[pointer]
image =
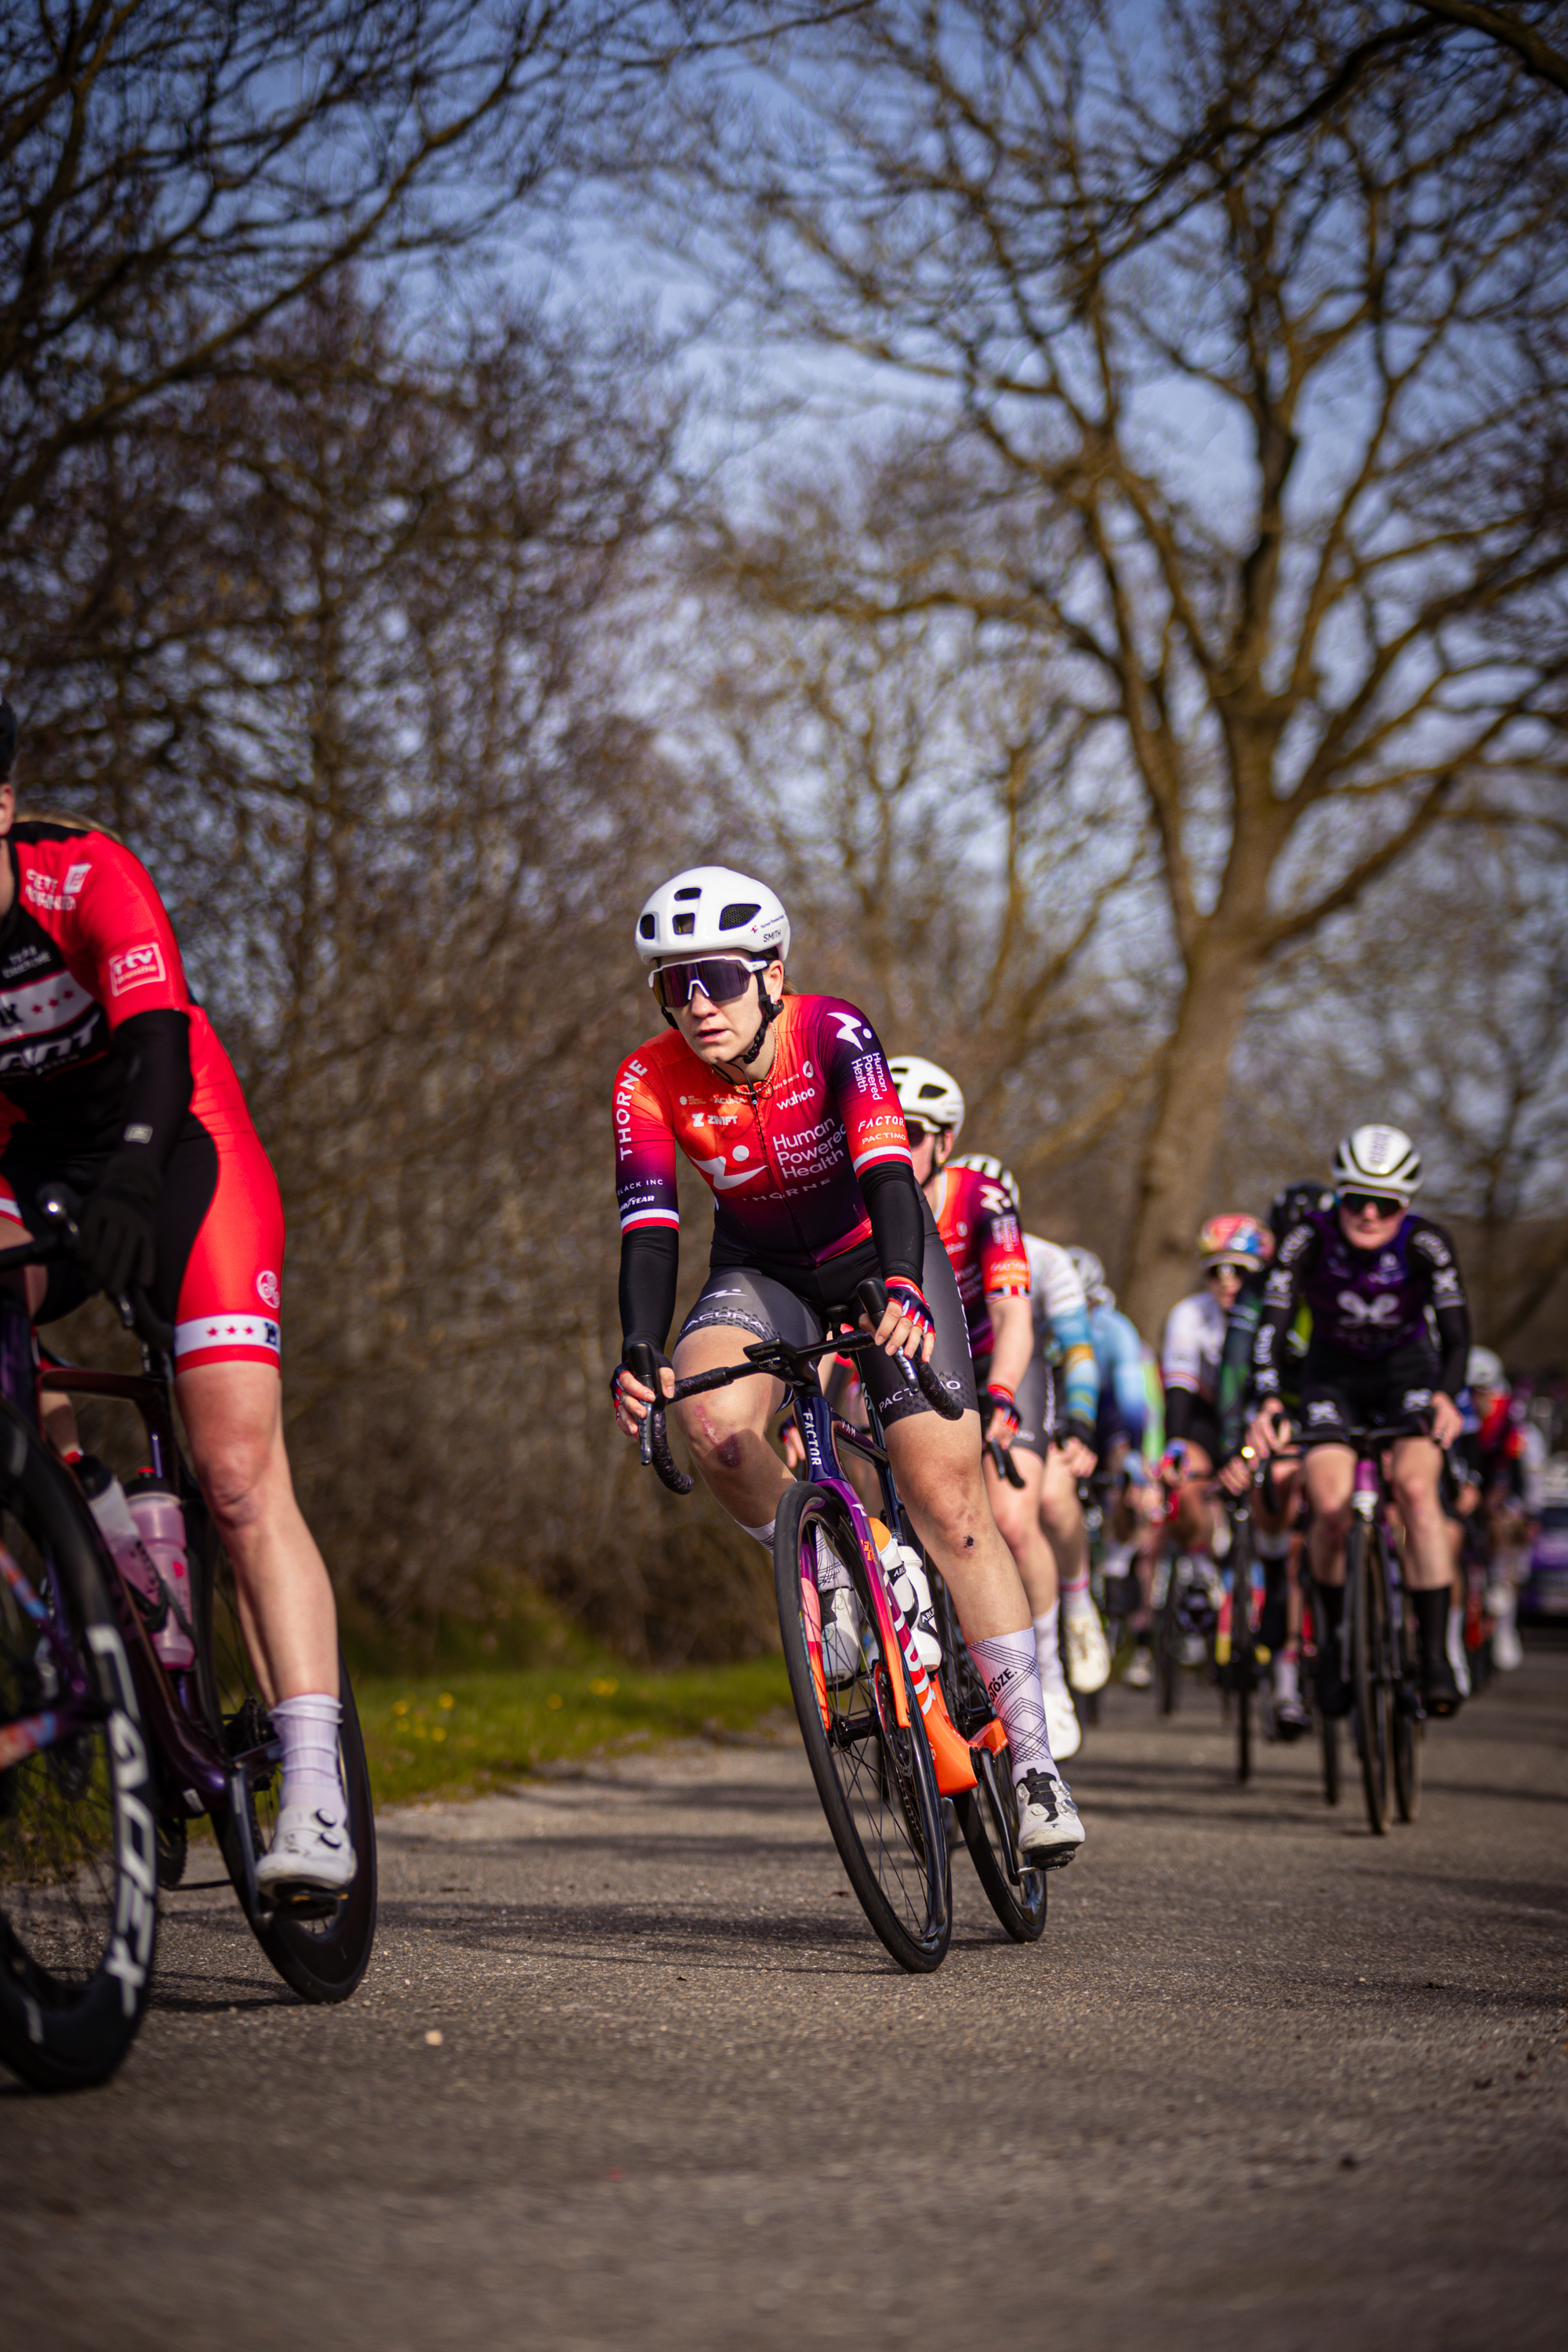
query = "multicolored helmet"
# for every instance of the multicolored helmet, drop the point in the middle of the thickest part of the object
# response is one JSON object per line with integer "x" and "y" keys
{"x": 1235, "y": 1240}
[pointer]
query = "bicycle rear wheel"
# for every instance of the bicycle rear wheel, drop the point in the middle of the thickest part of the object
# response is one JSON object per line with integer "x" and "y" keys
{"x": 1168, "y": 1636}
{"x": 1369, "y": 1684}
{"x": 988, "y": 1813}
{"x": 78, "y": 1840}
{"x": 1409, "y": 1723}
{"x": 321, "y": 1951}
{"x": 874, "y": 1775}
{"x": 1243, "y": 1650}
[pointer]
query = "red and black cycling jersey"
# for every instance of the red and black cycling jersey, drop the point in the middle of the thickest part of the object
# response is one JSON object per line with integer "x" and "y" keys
{"x": 86, "y": 951}
{"x": 105, "y": 1062}
{"x": 1366, "y": 1304}
{"x": 797, "y": 1161}
{"x": 977, "y": 1216}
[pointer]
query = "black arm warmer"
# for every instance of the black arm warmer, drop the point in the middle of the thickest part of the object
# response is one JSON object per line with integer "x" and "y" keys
{"x": 1179, "y": 1403}
{"x": 650, "y": 1263}
{"x": 896, "y": 1211}
{"x": 155, "y": 1050}
{"x": 1454, "y": 1339}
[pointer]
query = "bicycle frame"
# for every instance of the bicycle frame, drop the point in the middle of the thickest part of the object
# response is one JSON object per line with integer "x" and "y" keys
{"x": 196, "y": 1773}
{"x": 822, "y": 1433}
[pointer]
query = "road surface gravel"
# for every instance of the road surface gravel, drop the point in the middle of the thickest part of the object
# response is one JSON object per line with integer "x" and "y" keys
{"x": 628, "y": 2069}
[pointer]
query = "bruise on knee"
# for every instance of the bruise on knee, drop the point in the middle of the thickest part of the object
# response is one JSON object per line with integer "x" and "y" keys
{"x": 729, "y": 1451}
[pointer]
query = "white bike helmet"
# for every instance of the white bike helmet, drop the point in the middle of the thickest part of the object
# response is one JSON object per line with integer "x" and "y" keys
{"x": 1483, "y": 1369}
{"x": 927, "y": 1093}
{"x": 1378, "y": 1159}
{"x": 1092, "y": 1274}
{"x": 708, "y": 911}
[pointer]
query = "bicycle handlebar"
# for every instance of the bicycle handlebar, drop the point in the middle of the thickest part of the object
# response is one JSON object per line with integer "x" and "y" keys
{"x": 794, "y": 1366}
{"x": 135, "y": 1308}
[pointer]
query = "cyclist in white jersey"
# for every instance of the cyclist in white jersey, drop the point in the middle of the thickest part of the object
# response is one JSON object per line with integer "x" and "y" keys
{"x": 1064, "y": 1337}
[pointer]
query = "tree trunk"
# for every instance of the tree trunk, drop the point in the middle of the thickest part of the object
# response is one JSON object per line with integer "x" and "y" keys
{"x": 1173, "y": 1181}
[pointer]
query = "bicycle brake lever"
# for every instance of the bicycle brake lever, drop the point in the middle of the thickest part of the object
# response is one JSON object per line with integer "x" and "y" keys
{"x": 1004, "y": 1466}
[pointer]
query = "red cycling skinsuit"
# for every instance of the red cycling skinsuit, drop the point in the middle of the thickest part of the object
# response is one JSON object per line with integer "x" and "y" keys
{"x": 983, "y": 1232}
{"x": 86, "y": 947}
{"x": 785, "y": 1158}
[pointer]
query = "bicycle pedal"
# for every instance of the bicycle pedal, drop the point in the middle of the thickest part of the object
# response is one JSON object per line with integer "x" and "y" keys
{"x": 298, "y": 1902}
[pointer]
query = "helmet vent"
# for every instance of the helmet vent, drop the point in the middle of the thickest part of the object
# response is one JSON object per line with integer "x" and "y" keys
{"x": 932, "y": 1094}
{"x": 733, "y": 917}
{"x": 692, "y": 890}
{"x": 684, "y": 925}
{"x": 649, "y": 927}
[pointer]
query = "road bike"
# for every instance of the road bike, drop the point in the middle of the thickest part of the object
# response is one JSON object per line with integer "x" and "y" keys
{"x": 1379, "y": 1661}
{"x": 889, "y": 1745}
{"x": 107, "y": 1754}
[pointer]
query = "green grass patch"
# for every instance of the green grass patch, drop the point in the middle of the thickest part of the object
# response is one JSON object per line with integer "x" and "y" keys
{"x": 473, "y": 1730}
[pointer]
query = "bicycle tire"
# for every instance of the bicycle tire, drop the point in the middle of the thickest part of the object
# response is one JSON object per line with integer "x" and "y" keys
{"x": 1329, "y": 1740}
{"x": 1243, "y": 1650}
{"x": 1168, "y": 1637}
{"x": 875, "y": 1778}
{"x": 1021, "y": 1908}
{"x": 1409, "y": 1723}
{"x": 321, "y": 1957}
{"x": 1369, "y": 1690}
{"x": 77, "y": 1834}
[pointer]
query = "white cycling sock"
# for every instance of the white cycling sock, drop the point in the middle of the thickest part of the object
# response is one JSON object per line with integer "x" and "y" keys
{"x": 1075, "y": 1600}
{"x": 1047, "y": 1649}
{"x": 1007, "y": 1666}
{"x": 308, "y": 1728}
{"x": 764, "y": 1535}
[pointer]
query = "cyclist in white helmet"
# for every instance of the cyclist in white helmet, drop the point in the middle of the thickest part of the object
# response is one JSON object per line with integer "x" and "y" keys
{"x": 1376, "y": 1277}
{"x": 786, "y": 1105}
{"x": 975, "y": 1204}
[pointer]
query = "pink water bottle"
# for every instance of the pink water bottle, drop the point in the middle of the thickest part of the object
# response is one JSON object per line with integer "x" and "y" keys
{"x": 160, "y": 1524}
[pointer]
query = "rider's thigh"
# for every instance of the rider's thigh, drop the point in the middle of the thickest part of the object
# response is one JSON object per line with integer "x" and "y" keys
{"x": 1417, "y": 1466}
{"x": 937, "y": 1465}
{"x": 1330, "y": 1474}
{"x": 234, "y": 1419}
{"x": 1016, "y": 1509}
{"x": 721, "y": 1413}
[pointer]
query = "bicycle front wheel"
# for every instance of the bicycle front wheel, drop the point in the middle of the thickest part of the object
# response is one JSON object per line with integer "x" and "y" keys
{"x": 321, "y": 1951}
{"x": 78, "y": 1839}
{"x": 1369, "y": 1684}
{"x": 873, "y": 1774}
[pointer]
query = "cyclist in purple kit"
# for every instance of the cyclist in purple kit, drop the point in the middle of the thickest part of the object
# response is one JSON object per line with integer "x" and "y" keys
{"x": 1378, "y": 1280}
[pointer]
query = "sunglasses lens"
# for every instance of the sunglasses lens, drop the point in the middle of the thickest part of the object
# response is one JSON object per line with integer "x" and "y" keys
{"x": 1372, "y": 1203}
{"x": 720, "y": 979}
{"x": 916, "y": 1131}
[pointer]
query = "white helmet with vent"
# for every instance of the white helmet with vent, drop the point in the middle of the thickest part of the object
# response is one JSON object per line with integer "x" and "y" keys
{"x": 1483, "y": 1369}
{"x": 708, "y": 911}
{"x": 1378, "y": 1159}
{"x": 926, "y": 1092}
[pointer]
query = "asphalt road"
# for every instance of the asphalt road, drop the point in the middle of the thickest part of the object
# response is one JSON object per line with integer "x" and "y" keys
{"x": 1265, "y": 2082}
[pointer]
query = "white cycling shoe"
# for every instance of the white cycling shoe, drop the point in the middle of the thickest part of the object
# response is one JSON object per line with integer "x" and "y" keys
{"x": 1064, "y": 1733}
{"x": 310, "y": 1851}
{"x": 905, "y": 1571}
{"x": 1088, "y": 1653}
{"x": 843, "y": 1625}
{"x": 1049, "y": 1830}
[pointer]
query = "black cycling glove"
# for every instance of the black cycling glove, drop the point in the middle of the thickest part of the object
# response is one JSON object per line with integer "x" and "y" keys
{"x": 116, "y": 1242}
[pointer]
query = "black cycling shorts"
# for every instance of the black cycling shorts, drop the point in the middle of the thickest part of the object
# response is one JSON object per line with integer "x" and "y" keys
{"x": 795, "y": 1303}
{"x": 1034, "y": 1404}
{"x": 1341, "y": 1393}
